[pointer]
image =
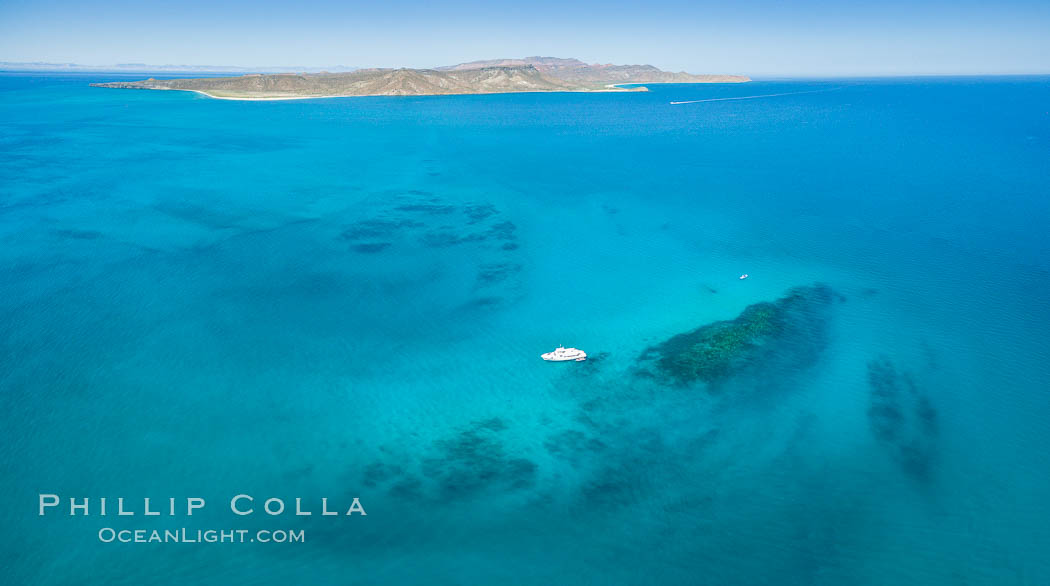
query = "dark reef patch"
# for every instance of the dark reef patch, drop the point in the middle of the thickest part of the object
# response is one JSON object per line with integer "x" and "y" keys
{"x": 427, "y": 208}
{"x": 472, "y": 461}
{"x": 479, "y": 212}
{"x": 406, "y": 218}
{"x": 503, "y": 231}
{"x": 207, "y": 216}
{"x": 377, "y": 473}
{"x": 407, "y": 488}
{"x": 492, "y": 273}
{"x": 626, "y": 476}
{"x": 486, "y": 302}
{"x": 902, "y": 418}
{"x": 597, "y": 357}
{"x": 417, "y": 219}
{"x": 476, "y": 459}
{"x": 378, "y": 228}
{"x": 573, "y": 446}
{"x": 445, "y": 238}
{"x": 791, "y": 331}
{"x": 591, "y": 366}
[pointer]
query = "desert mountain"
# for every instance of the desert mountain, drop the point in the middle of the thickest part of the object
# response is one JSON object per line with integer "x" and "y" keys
{"x": 532, "y": 74}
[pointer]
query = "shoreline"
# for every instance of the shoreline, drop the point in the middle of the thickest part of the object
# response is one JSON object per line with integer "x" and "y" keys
{"x": 322, "y": 97}
{"x": 748, "y": 80}
{"x": 608, "y": 88}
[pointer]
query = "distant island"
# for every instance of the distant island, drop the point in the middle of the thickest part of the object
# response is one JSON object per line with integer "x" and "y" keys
{"x": 531, "y": 74}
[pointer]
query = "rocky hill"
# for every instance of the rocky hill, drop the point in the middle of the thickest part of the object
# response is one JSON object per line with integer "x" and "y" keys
{"x": 534, "y": 74}
{"x": 578, "y": 72}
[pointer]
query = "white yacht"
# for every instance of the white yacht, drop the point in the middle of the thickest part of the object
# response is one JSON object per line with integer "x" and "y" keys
{"x": 563, "y": 354}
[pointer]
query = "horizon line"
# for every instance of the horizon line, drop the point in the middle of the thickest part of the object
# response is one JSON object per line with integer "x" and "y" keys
{"x": 71, "y": 67}
{"x": 753, "y": 76}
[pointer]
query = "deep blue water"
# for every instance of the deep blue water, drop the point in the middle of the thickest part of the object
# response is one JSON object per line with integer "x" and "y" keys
{"x": 348, "y": 297}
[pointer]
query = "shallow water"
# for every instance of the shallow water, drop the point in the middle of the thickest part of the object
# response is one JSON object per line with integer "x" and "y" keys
{"x": 348, "y": 297}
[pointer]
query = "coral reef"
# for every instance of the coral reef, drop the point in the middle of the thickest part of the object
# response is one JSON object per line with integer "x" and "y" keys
{"x": 427, "y": 208}
{"x": 472, "y": 461}
{"x": 573, "y": 446}
{"x": 475, "y": 459}
{"x": 791, "y": 328}
{"x": 421, "y": 219}
{"x": 902, "y": 418}
{"x": 479, "y": 212}
{"x": 409, "y": 214}
{"x": 379, "y": 472}
{"x": 491, "y": 273}
{"x": 378, "y": 228}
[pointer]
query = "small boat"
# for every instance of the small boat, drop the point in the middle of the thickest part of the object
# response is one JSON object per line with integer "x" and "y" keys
{"x": 744, "y": 276}
{"x": 561, "y": 354}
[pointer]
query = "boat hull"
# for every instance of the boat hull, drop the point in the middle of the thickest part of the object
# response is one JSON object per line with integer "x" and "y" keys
{"x": 550, "y": 358}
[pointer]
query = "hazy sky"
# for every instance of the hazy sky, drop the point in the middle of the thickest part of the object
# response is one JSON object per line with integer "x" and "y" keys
{"x": 754, "y": 37}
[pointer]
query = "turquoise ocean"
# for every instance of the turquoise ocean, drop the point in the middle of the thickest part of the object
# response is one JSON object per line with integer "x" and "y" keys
{"x": 348, "y": 298}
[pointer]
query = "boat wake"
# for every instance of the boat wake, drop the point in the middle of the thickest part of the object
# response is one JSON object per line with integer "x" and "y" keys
{"x": 755, "y": 97}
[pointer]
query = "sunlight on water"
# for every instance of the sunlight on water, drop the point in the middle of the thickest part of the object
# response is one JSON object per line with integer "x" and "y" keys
{"x": 348, "y": 298}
